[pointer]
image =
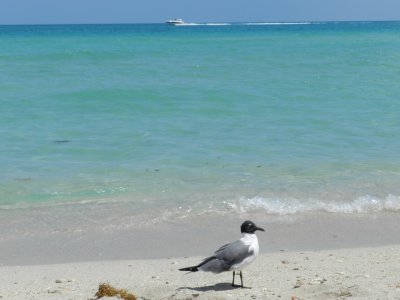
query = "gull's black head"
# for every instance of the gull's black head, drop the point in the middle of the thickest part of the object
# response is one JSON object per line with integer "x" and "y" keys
{"x": 249, "y": 227}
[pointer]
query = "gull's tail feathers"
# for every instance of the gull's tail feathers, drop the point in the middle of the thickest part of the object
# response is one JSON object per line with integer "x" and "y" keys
{"x": 190, "y": 269}
{"x": 196, "y": 268}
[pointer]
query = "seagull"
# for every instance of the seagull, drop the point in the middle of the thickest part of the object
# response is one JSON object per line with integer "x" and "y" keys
{"x": 233, "y": 256}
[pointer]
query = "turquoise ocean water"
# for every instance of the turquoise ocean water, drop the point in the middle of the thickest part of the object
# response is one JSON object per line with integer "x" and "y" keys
{"x": 254, "y": 117}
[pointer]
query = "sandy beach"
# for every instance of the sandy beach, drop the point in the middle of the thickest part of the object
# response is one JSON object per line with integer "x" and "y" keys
{"x": 318, "y": 257}
{"x": 358, "y": 273}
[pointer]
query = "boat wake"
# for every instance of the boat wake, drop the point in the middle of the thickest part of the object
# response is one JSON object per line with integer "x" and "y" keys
{"x": 243, "y": 24}
{"x": 203, "y": 24}
{"x": 278, "y": 23}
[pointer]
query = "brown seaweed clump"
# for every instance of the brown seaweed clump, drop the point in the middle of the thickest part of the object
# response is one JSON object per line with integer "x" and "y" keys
{"x": 107, "y": 290}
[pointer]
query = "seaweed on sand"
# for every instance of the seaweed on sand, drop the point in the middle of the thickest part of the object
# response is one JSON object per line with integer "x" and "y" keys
{"x": 107, "y": 290}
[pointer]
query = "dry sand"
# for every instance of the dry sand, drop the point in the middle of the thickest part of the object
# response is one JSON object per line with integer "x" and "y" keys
{"x": 356, "y": 273}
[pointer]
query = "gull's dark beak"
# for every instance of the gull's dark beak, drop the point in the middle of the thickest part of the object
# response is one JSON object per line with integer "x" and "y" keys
{"x": 259, "y": 228}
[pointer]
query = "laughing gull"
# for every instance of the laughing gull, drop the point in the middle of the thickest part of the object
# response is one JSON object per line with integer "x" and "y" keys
{"x": 233, "y": 256}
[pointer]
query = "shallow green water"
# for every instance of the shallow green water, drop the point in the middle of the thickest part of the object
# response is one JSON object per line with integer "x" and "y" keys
{"x": 277, "y": 118}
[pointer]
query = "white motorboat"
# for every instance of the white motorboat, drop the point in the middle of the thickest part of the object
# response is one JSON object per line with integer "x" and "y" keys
{"x": 175, "y": 22}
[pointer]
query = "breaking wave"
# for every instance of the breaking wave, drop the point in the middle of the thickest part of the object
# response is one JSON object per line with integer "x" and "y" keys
{"x": 365, "y": 204}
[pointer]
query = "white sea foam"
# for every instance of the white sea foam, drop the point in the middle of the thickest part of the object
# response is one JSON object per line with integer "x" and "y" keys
{"x": 271, "y": 205}
{"x": 365, "y": 204}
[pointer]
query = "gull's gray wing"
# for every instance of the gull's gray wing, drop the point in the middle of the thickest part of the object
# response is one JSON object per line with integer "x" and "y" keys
{"x": 233, "y": 253}
{"x": 226, "y": 257}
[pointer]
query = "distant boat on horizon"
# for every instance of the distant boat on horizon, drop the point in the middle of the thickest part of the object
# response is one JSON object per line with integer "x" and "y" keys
{"x": 175, "y": 21}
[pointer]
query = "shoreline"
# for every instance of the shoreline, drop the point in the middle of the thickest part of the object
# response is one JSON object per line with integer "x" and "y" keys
{"x": 356, "y": 273}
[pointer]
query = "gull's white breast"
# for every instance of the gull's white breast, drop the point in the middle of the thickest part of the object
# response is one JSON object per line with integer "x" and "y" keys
{"x": 250, "y": 240}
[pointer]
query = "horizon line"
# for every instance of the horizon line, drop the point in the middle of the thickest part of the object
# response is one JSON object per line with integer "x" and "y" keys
{"x": 202, "y": 22}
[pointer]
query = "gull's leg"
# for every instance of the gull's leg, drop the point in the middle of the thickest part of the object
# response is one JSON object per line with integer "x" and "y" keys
{"x": 233, "y": 279}
{"x": 241, "y": 278}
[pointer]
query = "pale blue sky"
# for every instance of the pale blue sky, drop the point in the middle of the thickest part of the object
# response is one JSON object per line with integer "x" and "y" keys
{"x": 156, "y": 11}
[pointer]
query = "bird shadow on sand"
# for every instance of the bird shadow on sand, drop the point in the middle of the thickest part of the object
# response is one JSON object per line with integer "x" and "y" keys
{"x": 216, "y": 287}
